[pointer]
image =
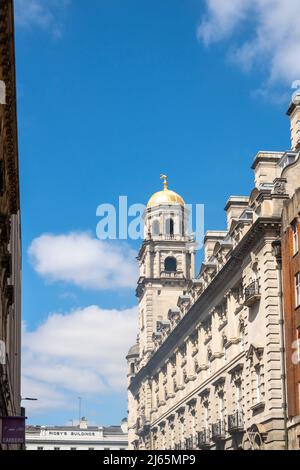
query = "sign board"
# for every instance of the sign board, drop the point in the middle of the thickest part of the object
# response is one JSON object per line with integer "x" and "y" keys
{"x": 12, "y": 430}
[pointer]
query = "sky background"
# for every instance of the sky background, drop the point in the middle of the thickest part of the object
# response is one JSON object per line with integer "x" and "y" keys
{"x": 111, "y": 93}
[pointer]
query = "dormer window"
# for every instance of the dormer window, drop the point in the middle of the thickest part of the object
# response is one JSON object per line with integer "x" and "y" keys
{"x": 170, "y": 264}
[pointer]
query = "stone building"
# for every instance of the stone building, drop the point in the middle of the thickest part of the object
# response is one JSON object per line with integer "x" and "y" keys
{"x": 208, "y": 368}
{"x": 291, "y": 280}
{"x": 10, "y": 245}
{"x": 82, "y": 437}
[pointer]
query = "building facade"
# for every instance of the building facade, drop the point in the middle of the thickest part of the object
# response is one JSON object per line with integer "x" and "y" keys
{"x": 291, "y": 284}
{"x": 10, "y": 244}
{"x": 208, "y": 368}
{"x": 82, "y": 437}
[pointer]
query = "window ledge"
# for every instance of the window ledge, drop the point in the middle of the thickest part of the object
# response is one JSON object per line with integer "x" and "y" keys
{"x": 258, "y": 406}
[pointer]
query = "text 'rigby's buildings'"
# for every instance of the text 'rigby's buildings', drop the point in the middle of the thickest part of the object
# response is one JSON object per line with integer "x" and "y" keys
{"x": 208, "y": 369}
{"x": 81, "y": 437}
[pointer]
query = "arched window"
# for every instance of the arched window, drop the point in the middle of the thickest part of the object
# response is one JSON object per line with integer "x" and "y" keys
{"x": 132, "y": 368}
{"x": 170, "y": 227}
{"x": 170, "y": 264}
{"x": 155, "y": 228}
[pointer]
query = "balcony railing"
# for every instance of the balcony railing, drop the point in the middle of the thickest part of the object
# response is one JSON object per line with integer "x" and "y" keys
{"x": 252, "y": 293}
{"x": 189, "y": 443}
{"x": 218, "y": 430}
{"x": 203, "y": 439}
{"x": 236, "y": 422}
{"x": 172, "y": 274}
{"x": 179, "y": 446}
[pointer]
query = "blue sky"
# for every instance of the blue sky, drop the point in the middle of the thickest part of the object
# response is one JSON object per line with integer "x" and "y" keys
{"x": 111, "y": 93}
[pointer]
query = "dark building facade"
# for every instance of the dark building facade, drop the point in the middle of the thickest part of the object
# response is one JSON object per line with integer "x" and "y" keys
{"x": 10, "y": 235}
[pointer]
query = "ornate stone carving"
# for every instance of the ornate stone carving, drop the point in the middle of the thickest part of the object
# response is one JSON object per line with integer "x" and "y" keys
{"x": 279, "y": 186}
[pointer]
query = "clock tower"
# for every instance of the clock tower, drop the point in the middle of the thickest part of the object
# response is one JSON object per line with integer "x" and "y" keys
{"x": 166, "y": 263}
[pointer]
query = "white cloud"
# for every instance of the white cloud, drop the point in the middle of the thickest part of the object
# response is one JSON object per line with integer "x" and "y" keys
{"x": 84, "y": 261}
{"x": 270, "y": 35}
{"x": 45, "y": 14}
{"x": 222, "y": 18}
{"x": 81, "y": 352}
{"x": 49, "y": 397}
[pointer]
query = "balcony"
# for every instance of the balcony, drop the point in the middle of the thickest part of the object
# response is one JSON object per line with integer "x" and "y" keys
{"x": 236, "y": 422}
{"x": 189, "y": 443}
{"x": 142, "y": 425}
{"x": 203, "y": 439}
{"x": 252, "y": 294}
{"x": 172, "y": 274}
{"x": 179, "y": 446}
{"x": 218, "y": 431}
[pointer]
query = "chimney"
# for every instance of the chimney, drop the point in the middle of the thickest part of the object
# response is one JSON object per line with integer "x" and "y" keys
{"x": 294, "y": 114}
{"x": 211, "y": 238}
{"x": 266, "y": 167}
{"x": 235, "y": 207}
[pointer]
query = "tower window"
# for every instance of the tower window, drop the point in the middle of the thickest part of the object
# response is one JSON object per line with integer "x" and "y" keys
{"x": 155, "y": 228}
{"x": 170, "y": 227}
{"x": 170, "y": 264}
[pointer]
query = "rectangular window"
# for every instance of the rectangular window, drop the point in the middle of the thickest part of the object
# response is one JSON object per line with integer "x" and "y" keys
{"x": 206, "y": 417}
{"x": 193, "y": 425}
{"x": 239, "y": 396}
{"x": 221, "y": 407}
{"x": 295, "y": 237}
{"x": 297, "y": 290}
{"x": 172, "y": 436}
{"x": 258, "y": 384}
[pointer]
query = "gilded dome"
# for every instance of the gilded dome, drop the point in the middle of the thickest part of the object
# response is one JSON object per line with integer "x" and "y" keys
{"x": 166, "y": 196}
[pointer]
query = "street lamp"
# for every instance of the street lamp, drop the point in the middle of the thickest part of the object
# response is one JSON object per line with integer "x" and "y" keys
{"x": 276, "y": 245}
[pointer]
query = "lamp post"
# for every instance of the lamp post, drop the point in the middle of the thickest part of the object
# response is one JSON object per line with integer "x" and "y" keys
{"x": 79, "y": 410}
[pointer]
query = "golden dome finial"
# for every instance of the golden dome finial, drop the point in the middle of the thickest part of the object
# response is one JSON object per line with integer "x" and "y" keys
{"x": 165, "y": 196}
{"x": 164, "y": 177}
